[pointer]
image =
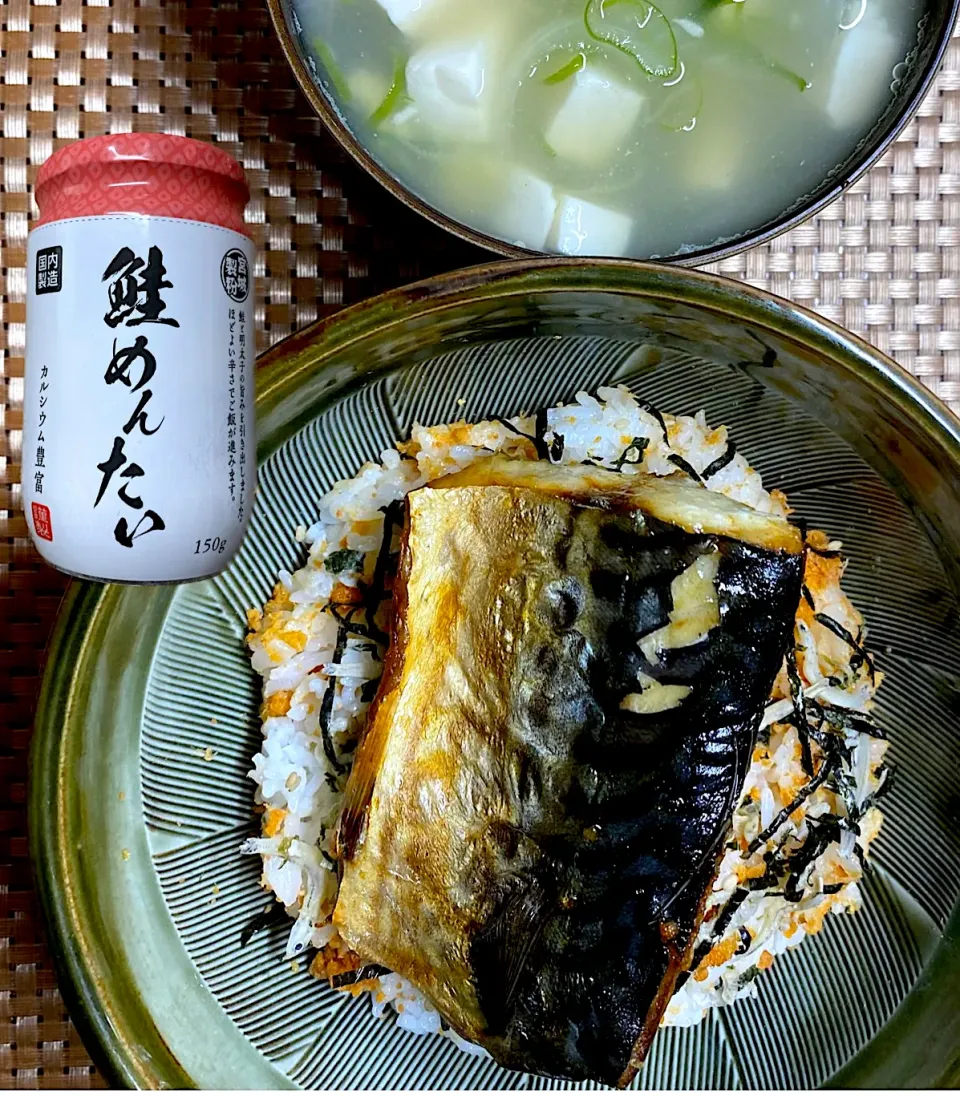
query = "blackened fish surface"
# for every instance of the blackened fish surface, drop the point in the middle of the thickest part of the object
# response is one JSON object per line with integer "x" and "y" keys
{"x": 536, "y": 814}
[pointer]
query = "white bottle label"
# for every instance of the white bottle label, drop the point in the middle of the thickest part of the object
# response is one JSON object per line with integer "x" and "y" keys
{"x": 139, "y": 444}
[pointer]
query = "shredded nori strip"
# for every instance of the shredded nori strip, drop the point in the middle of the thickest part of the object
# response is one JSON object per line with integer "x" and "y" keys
{"x": 326, "y": 705}
{"x": 843, "y": 717}
{"x": 822, "y": 836}
{"x": 556, "y": 448}
{"x": 540, "y": 430}
{"x": 638, "y": 446}
{"x": 392, "y": 516}
{"x": 847, "y": 823}
{"x": 721, "y": 462}
{"x": 351, "y": 977}
{"x": 509, "y": 425}
{"x": 771, "y": 877}
{"x": 799, "y": 712}
{"x": 646, "y": 405}
{"x": 826, "y": 769}
{"x": 726, "y": 916}
{"x": 538, "y": 443}
{"x": 872, "y": 798}
{"x": 861, "y": 656}
{"x": 684, "y": 466}
{"x": 824, "y": 831}
{"x": 846, "y": 789}
{"x": 346, "y": 621}
{"x": 814, "y": 711}
{"x": 704, "y": 948}
{"x": 808, "y": 597}
{"x": 347, "y": 626}
{"x": 832, "y": 888}
{"x": 745, "y": 941}
{"x": 275, "y": 915}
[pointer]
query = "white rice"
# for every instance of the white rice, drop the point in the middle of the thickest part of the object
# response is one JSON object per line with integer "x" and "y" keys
{"x": 293, "y": 643}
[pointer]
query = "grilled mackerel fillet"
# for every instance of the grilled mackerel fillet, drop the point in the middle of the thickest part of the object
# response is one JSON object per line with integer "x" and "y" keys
{"x": 578, "y": 667}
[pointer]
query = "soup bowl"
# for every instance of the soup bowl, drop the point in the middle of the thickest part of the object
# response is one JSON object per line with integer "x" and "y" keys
{"x": 140, "y": 793}
{"x": 323, "y": 84}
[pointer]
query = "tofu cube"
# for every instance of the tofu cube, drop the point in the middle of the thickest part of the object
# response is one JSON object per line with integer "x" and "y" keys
{"x": 449, "y": 86}
{"x": 596, "y": 115}
{"x": 581, "y": 228}
{"x": 714, "y": 161}
{"x": 526, "y": 211}
{"x": 862, "y": 74}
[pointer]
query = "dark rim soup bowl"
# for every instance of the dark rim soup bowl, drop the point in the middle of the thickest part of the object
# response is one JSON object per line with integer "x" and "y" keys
{"x": 936, "y": 29}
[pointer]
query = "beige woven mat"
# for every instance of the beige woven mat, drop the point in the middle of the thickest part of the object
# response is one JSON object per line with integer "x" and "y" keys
{"x": 884, "y": 261}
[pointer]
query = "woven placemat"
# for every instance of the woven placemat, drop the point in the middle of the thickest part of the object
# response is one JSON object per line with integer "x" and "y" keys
{"x": 883, "y": 261}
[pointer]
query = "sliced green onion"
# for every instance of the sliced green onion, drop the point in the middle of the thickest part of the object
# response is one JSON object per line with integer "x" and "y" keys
{"x": 571, "y": 68}
{"x": 757, "y": 56}
{"x": 640, "y": 30}
{"x": 395, "y": 98}
{"x": 753, "y": 54}
{"x": 789, "y": 74}
{"x": 332, "y": 69}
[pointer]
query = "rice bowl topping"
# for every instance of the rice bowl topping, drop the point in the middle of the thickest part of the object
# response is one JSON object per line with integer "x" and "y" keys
{"x": 807, "y": 813}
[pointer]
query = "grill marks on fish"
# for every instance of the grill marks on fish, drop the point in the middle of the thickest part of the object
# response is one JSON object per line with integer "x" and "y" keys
{"x": 531, "y": 853}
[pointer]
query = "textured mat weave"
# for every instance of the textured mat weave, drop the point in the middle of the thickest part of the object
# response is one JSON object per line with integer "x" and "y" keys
{"x": 884, "y": 261}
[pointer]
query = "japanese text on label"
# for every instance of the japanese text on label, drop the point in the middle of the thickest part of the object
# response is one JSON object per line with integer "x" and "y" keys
{"x": 134, "y": 297}
{"x": 237, "y": 408}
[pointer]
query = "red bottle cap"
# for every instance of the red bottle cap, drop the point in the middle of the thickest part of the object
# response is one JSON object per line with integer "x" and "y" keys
{"x": 155, "y": 174}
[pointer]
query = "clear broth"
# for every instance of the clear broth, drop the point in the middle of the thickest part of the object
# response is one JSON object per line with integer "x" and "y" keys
{"x": 765, "y": 100}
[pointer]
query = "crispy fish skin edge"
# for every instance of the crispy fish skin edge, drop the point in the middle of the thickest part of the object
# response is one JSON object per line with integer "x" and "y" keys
{"x": 363, "y": 775}
{"x": 588, "y": 486}
{"x": 674, "y": 499}
{"x": 677, "y": 964}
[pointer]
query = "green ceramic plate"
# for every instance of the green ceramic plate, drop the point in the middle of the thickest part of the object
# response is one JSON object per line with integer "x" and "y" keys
{"x": 140, "y": 799}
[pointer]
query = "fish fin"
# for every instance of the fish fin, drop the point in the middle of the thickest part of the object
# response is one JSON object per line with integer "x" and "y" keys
{"x": 502, "y": 948}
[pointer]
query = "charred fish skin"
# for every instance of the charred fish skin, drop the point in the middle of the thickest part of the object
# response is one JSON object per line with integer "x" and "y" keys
{"x": 536, "y": 814}
{"x": 629, "y": 848}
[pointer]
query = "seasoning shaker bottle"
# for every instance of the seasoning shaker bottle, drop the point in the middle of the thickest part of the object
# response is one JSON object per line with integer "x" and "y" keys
{"x": 139, "y": 445}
